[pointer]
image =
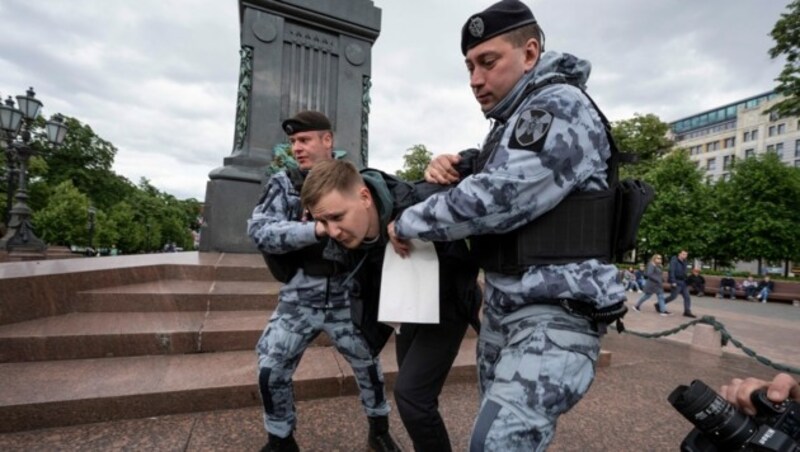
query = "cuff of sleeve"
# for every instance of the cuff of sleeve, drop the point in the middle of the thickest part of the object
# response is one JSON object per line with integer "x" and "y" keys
{"x": 399, "y": 229}
{"x": 307, "y": 234}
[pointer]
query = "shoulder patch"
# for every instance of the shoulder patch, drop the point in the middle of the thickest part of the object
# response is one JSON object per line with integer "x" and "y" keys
{"x": 531, "y": 130}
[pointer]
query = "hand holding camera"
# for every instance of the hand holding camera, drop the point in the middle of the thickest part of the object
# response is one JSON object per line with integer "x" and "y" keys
{"x": 721, "y": 427}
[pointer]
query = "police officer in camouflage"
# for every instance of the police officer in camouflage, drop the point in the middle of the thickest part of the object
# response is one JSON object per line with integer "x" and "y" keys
{"x": 315, "y": 297}
{"x": 539, "y": 339}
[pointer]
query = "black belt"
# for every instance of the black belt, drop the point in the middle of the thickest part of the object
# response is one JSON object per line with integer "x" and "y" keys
{"x": 607, "y": 315}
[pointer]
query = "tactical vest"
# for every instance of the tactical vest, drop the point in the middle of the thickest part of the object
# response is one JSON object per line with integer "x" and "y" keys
{"x": 284, "y": 266}
{"x": 585, "y": 225}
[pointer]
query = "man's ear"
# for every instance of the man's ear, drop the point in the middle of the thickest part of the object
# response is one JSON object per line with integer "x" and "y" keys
{"x": 327, "y": 139}
{"x": 532, "y": 52}
{"x": 365, "y": 196}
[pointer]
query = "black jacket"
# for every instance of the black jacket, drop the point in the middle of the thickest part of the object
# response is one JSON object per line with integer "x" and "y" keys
{"x": 457, "y": 270}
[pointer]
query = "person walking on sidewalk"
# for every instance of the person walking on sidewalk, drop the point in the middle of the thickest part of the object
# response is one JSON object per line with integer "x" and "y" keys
{"x": 677, "y": 279}
{"x": 653, "y": 284}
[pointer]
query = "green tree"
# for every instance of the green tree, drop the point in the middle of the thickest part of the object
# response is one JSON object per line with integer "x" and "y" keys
{"x": 64, "y": 220}
{"x": 132, "y": 234}
{"x": 107, "y": 231}
{"x": 761, "y": 217}
{"x": 416, "y": 160}
{"x": 786, "y": 34}
{"x": 646, "y": 137}
{"x": 679, "y": 215}
{"x": 84, "y": 158}
{"x": 136, "y": 218}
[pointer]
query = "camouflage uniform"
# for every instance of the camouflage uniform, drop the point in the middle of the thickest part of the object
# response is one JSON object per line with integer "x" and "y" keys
{"x": 307, "y": 305}
{"x": 535, "y": 360}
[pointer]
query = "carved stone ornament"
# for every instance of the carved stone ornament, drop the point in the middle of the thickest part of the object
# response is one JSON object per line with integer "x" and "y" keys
{"x": 265, "y": 30}
{"x": 355, "y": 54}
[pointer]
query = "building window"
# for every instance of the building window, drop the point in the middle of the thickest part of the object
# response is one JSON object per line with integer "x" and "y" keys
{"x": 770, "y": 148}
{"x": 797, "y": 148}
{"x": 711, "y": 164}
{"x": 797, "y": 163}
{"x": 750, "y": 152}
{"x": 771, "y": 131}
{"x": 713, "y": 146}
{"x": 730, "y": 142}
{"x": 754, "y": 134}
{"x": 726, "y": 176}
{"x": 781, "y": 129}
{"x": 746, "y": 136}
{"x": 779, "y": 150}
{"x": 727, "y": 162}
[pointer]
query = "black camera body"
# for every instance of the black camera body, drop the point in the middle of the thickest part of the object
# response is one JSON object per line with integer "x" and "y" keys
{"x": 720, "y": 427}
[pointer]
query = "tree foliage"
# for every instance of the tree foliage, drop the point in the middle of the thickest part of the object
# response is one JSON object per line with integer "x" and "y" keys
{"x": 415, "y": 160}
{"x": 64, "y": 182}
{"x": 761, "y": 214}
{"x": 646, "y": 137}
{"x": 63, "y": 221}
{"x": 679, "y": 214}
{"x": 786, "y": 34}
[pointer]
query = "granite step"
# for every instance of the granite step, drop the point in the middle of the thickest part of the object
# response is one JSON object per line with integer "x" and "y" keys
{"x": 84, "y": 335}
{"x": 57, "y": 393}
{"x": 180, "y": 295}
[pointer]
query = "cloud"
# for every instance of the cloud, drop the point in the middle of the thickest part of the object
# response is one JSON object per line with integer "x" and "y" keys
{"x": 158, "y": 78}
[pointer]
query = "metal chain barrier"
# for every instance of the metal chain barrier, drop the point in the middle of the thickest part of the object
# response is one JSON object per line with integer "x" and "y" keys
{"x": 726, "y": 337}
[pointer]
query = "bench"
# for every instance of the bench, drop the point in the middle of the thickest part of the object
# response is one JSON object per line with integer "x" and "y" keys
{"x": 785, "y": 291}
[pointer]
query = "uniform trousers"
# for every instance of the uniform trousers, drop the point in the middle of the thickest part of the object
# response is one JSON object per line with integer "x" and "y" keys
{"x": 534, "y": 364}
{"x": 425, "y": 354}
{"x": 289, "y": 332}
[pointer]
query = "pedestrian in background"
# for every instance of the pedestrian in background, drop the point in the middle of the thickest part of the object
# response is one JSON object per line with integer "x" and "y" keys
{"x": 654, "y": 285}
{"x": 677, "y": 279}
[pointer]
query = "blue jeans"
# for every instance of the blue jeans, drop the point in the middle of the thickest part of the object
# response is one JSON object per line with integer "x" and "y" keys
{"x": 659, "y": 298}
{"x": 763, "y": 295}
{"x": 680, "y": 287}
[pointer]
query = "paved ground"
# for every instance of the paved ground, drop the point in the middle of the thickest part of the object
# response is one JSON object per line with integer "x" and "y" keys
{"x": 625, "y": 410}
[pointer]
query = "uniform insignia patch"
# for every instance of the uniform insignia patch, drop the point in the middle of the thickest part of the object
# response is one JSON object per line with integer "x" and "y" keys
{"x": 476, "y": 27}
{"x": 531, "y": 130}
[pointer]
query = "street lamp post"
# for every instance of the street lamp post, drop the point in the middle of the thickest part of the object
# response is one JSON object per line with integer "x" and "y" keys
{"x": 11, "y": 177}
{"x": 16, "y": 124}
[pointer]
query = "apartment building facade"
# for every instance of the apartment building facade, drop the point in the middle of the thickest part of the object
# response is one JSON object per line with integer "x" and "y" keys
{"x": 716, "y": 138}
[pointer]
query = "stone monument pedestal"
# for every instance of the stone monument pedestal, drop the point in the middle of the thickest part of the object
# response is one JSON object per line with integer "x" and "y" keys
{"x": 295, "y": 55}
{"x": 229, "y": 218}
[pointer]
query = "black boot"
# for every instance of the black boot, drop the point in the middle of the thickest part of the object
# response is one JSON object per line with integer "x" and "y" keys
{"x": 278, "y": 444}
{"x": 380, "y": 440}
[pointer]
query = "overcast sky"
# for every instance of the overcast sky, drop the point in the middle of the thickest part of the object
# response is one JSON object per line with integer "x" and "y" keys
{"x": 158, "y": 78}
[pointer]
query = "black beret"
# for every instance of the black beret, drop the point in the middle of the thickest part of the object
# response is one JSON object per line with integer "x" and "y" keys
{"x": 495, "y": 20}
{"x": 305, "y": 121}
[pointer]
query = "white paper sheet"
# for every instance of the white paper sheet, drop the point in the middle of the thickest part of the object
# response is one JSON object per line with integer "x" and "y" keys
{"x": 410, "y": 286}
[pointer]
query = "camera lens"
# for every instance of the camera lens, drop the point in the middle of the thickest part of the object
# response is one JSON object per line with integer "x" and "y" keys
{"x": 711, "y": 414}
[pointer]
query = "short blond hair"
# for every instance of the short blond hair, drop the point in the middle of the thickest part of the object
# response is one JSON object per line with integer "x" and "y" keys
{"x": 326, "y": 177}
